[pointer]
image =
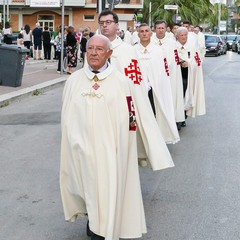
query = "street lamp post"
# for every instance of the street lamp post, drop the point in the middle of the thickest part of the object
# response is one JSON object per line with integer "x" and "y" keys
{"x": 150, "y": 14}
{"x": 219, "y": 16}
{"x": 7, "y": 10}
{"x": 4, "y": 14}
{"x": 62, "y": 37}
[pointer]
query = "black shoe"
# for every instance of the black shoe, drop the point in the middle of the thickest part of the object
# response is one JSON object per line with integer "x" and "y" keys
{"x": 183, "y": 124}
{"x": 179, "y": 126}
{"x": 89, "y": 232}
{"x": 97, "y": 237}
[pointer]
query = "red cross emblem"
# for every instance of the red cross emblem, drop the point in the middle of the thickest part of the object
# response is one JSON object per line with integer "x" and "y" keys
{"x": 177, "y": 59}
{"x": 96, "y": 86}
{"x": 197, "y": 58}
{"x": 133, "y": 72}
{"x": 166, "y": 66}
{"x": 132, "y": 116}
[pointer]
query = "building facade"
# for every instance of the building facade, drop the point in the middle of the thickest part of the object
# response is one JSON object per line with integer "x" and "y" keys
{"x": 77, "y": 13}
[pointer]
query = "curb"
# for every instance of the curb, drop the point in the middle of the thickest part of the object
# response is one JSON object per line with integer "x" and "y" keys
{"x": 5, "y": 99}
{"x": 31, "y": 61}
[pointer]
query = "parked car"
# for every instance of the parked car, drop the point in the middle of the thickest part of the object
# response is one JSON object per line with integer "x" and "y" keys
{"x": 229, "y": 39}
{"x": 213, "y": 45}
{"x": 1, "y": 38}
{"x": 238, "y": 47}
{"x": 234, "y": 43}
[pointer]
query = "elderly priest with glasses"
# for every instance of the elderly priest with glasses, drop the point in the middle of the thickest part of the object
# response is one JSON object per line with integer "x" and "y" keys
{"x": 99, "y": 175}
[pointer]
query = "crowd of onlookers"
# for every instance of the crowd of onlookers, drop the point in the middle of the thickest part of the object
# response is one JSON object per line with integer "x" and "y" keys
{"x": 46, "y": 44}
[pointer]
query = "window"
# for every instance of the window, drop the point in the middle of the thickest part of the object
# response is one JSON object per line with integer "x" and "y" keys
{"x": 89, "y": 18}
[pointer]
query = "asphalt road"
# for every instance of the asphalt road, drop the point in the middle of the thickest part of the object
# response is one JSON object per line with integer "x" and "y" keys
{"x": 198, "y": 199}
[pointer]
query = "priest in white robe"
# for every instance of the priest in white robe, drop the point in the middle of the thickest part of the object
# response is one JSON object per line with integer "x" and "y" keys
{"x": 191, "y": 63}
{"x": 169, "y": 49}
{"x": 124, "y": 59}
{"x": 99, "y": 172}
{"x": 157, "y": 81}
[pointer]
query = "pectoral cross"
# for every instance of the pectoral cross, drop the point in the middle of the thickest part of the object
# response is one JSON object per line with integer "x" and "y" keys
{"x": 95, "y": 78}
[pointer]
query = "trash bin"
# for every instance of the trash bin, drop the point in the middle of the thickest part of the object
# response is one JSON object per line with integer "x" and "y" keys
{"x": 12, "y": 61}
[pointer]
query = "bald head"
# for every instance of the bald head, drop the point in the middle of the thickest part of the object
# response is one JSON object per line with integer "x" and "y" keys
{"x": 98, "y": 51}
{"x": 101, "y": 38}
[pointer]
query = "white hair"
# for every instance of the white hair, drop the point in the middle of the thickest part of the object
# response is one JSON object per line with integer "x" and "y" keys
{"x": 181, "y": 29}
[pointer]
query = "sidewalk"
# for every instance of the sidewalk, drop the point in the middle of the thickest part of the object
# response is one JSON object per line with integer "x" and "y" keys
{"x": 38, "y": 75}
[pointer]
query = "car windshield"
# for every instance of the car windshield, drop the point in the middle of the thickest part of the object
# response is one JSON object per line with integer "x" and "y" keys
{"x": 211, "y": 39}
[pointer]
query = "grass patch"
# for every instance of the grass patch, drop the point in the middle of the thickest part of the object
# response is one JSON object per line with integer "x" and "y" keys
{"x": 4, "y": 104}
{"x": 36, "y": 93}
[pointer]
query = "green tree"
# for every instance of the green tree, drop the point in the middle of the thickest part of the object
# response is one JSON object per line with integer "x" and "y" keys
{"x": 212, "y": 19}
{"x": 194, "y": 11}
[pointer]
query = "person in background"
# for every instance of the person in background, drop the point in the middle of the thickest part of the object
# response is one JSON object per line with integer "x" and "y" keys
{"x": 7, "y": 33}
{"x": 78, "y": 35}
{"x": 128, "y": 35}
{"x": 192, "y": 75}
{"x": 168, "y": 45}
{"x": 83, "y": 44}
{"x": 54, "y": 34}
{"x": 158, "y": 83}
{"x": 169, "y": 32}
{"x": 71, "y": 46}
{"x": 20, "y": 42}
{"x": 37, "y": 41}
{"x": 200, "y": 41}
{"x": 27, "y": 37}
{"x": 135, "y": 38}
{"x": 174, "y": 28}
{"x": 46, "y": 35}
{"x": 58, "y": 40}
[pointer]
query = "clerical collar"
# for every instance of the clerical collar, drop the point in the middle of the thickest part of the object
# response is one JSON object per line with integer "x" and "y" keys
{"x": 182, "y": 46}
{"x": 162, "y": 39}
{"x": 146, "y": 49}
{"x": 104, "y": 67}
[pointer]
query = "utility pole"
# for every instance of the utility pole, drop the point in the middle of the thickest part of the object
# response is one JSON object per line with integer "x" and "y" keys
{"x": 62, "y": 37}
{"x": 150, "y": 14}
{"x": 219, "y": 16}
{"x": 8, "y": 11}
{"x": 4, "y": 14}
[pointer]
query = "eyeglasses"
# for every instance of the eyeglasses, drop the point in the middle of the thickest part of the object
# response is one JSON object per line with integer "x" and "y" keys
{"x": 107, "y": 22}
{"x": 98, "y": 50}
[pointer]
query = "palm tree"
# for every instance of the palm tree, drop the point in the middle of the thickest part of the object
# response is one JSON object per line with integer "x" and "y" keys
{"x": 194, "y": 11}
{"x": 212, "y": 19}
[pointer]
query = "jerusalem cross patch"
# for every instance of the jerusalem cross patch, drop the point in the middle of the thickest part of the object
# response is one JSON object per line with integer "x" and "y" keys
{"x": 132, "y": 116}
{"x": 133, "y": 72}
{"x": 177, "y": 59}
{"x": 197, "y": 58}
{"x": 166, "y": 66}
